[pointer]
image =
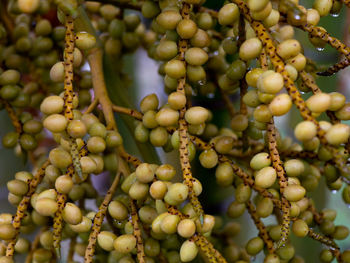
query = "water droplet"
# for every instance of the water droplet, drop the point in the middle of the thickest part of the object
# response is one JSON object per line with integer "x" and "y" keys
{"x": 211, "y": 96}
{"x": 319, "y": 48}
{"x": 334, "y": 14}
{"x": 202, "y": 82}
{"x": 334, "y": 192}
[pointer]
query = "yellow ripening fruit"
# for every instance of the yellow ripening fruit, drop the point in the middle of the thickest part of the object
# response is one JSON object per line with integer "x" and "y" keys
{"x": 83, "y": 226}
{"x": 270, "y": 82}
{"x": 294, "y": 167}
{"x": 117, "y": 210}
{"x": 325, "y": 125}
{"x": 49, "y": 193}
{"x": 196, "y": 115}
{"x": 312, "y": 16}
{"x": 265, "y": 177}
{"x": 57, "y": 72}
{"x": 28, "y": 6}
{"x": 5, "y": 218}
{"x": 323, "y": 6}
{"x": 338, "y": 100}
{"x": 292, "y": 72}
{"x": 272, "y": 19}
{"x": 7, "y": 231}
{"x": 72, "y": 214}
{"x": 150, "y": 102}
{"x": 285, "y": 32}
{"x": 125, "y": 243}
{"x": 158, "y": 189}
{"x": 52, "y": 105}
{"x": 208, "y": 224}
{"x": 298, "y": 62}
{"x": 144, "y": 173}
{"x": 305, "y": 131}
{"x": 288, "y": 48}
{"x": 262, "y": 113}
{"x": 208, "y": 158}
{"x": 85, "y": 41}
{"x": 167, "y": 117}
{"x": 46, "y": 206}
{"x": 168, "y": 19}
{"x": 17, "y": 187}
{"x": 294, "y": 192}
{"x": 280, "y": 105}
{"x": 177, "y": 193}
{"x": 55, "y": 123}
{"x": 262, "y": 14}
{"x": 257, "y": 5}
{"x": 186, "y": 228}
{"x": 177, "y": 100}
{"x": 196, "y": 56}
{"x": 138, "y": 191}
{"x": 169, "y": 224}
{"x": 319, "y": 102}
{"x": 252, "y": 76}
{"x": 250, "y": 49}
{"x": 188, "y": 251}
{"x": 105, "y": 240}
{"x": 64, "y": 184}
{"x": 88, "y": 165}
{"x": 339, "y": 133}
{"x": 344, "y": 112}
{"x": 260, "y": 160}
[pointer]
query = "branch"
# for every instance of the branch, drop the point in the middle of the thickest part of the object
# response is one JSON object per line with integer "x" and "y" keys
{"x": 99, "y": 86}
{"x": 23, "y": 206}
{"x": 98, "y": 219}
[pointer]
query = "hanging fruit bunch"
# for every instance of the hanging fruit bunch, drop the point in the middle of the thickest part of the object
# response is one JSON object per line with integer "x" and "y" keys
{"x": 63, "y": 85}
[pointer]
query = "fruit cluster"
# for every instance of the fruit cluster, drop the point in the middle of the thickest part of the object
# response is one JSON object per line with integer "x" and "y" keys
{"x": 62, "y": 84}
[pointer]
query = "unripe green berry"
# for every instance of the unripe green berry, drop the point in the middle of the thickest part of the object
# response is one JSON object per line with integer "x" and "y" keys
{"x": 60, "y": 158}
{"x": 300, "y": 228}
{"x": 168, "y": 19}
{"x": 254, "y": 246}
{"x": 186, "y": 28}
{"x": 228, "y": 14}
